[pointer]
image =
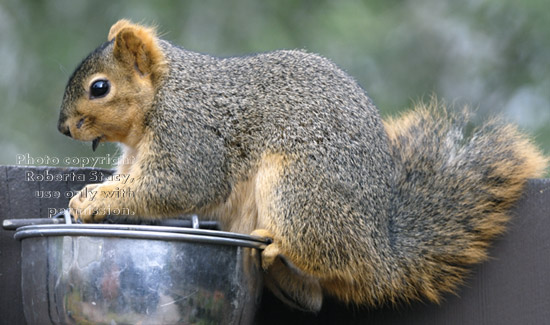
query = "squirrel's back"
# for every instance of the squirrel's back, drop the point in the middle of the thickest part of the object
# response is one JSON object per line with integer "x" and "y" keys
{"x": 287, "y": 101}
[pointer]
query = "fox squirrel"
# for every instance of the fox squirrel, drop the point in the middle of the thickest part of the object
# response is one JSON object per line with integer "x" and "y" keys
{"x": 286, "y": 145}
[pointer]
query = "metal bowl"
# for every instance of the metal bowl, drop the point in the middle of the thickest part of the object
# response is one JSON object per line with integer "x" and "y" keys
{"x": 130, "y": 274}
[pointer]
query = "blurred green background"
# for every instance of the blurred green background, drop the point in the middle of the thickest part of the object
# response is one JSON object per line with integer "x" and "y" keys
{"x": 489, "y": 54}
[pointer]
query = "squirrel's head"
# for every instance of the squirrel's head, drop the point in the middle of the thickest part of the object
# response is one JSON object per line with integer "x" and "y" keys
{"x": 109, "y": 93}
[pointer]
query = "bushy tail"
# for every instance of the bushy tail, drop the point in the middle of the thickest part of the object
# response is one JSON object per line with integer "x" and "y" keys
{"x": 452, "y": 193}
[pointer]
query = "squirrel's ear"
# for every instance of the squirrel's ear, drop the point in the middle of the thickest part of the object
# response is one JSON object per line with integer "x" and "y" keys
{"x": 117, "y": 27}
{"x": 136, "y": 46}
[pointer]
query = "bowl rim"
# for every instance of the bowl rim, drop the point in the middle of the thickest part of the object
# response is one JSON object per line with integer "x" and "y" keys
{"x": 143, "y": 232}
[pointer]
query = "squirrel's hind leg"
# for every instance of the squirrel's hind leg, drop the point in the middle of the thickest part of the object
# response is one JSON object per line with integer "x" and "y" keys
{"x": 293, "y": 287}
{"x": 286, "y": 281}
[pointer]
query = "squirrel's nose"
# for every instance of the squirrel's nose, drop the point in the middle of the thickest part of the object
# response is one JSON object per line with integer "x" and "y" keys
{"x": 63, "y": 128}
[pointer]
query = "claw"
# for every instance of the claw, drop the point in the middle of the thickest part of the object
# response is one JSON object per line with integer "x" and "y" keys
{"x": 95, "y": 143}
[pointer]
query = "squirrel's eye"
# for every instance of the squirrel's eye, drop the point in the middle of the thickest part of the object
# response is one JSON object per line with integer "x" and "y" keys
{"x": 99, "y": 88}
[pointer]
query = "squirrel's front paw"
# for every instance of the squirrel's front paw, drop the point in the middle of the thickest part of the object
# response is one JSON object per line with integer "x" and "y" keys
{"x": 271, "y": 251}
{"x": 87, "y": 205}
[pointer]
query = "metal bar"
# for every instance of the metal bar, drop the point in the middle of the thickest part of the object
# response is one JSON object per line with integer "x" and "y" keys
{"x": 13, "y": 224}
{"x": 36, "y": 231}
